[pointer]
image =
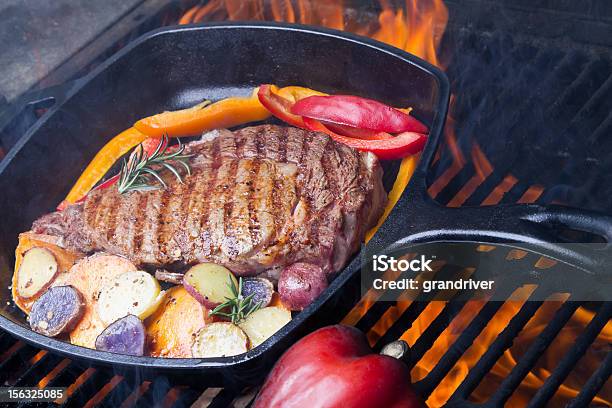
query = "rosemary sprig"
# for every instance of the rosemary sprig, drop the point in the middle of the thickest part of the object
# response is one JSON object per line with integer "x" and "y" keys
{"x": 238, "y": 307}
{"x": 141, "y": 171}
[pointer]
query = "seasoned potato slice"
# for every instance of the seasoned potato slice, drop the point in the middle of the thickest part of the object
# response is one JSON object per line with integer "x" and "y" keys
{"x": 261, "y": 290}
{"x": 57, "y": 311}
{"x": 136, "y": 293}
{"x": 172, "y": 328}
{"x": 209, "y": 283}
{"x": 124, "y": 336}
{"x": 219, "y": 340}
{"x": 37, "y": 271}
{"x": 263, "y": 323}
{"x": 89, "y": 276}
{"x": 28, "y": 240}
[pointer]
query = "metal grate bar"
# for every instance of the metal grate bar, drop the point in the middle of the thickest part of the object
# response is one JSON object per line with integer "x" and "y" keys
{"x": 570, "y": 359}
{"x": 15, "y": 364}
{"x": 594, "y": 384}
{"x": 404, "y": 322}
{"x": 426, "y": 386}
{"x": 85, "y": 391}
{"x": 156, "y": 392}
{"x": 527, "y": 360}
{"x": 120, "y": 392}
{"x": 576, "y": 95}
{"x": 503, "y": 341}
{"x": 38, "y": 370}
{"x": 455, "y": 184}
{"x": 187, "y": 397}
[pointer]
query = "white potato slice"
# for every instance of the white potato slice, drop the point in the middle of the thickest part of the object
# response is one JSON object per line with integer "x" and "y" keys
{"x": 135, "y": 292}
{"x": 219, "y": 340}
{"x": 37, "y": 271}
{"x": 263, "y": 323}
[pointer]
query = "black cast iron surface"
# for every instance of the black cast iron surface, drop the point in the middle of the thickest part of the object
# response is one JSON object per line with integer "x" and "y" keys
{"x": 177, "y": 67}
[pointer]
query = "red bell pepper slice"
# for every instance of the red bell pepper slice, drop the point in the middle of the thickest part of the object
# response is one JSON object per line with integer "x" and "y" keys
{"x": 395, "y": 147}
{"x": 358, "y": 113}
{"x": 357, "y": 133}
{"x": 278, "y": 106}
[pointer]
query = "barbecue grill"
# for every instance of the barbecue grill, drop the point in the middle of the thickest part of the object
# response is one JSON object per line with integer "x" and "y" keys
{"x": 497, "y": 149}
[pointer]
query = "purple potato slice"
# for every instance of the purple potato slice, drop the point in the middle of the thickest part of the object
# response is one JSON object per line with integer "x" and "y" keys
{"x": 123, "y": 336}
{"x": 58, "y": 310}
{"x": 261, "y": 289}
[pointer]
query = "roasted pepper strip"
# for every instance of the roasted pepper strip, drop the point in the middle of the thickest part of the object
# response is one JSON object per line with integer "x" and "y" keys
{"x": 103, "y": 161}
{"x": 357, "y": 112}
{"x": 193, "y": 121}
{"x": 397, "y": 147}
{"x": 149, "y": 145}
{"x": 278, "y": 105}
{"x": 295, "y": 93}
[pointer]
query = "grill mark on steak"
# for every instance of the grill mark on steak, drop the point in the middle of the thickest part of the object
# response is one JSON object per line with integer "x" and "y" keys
{"x": 254, "y": 229}
{"x": 143, "y": 200}
{"x": 282, "y": 150}
{"x": 258, "y": 198}
{"x": 228, "y": 243}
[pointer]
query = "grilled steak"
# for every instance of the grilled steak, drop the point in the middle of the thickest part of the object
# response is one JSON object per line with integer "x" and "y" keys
{"x": 259, "y": 198}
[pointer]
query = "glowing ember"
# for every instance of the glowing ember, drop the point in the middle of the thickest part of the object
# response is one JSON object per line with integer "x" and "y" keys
{"x": 417, "y": 27}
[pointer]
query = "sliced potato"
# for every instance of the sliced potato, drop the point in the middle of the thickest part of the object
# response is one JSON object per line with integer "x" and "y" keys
{"x": 37, "y": 271}
{"x": 263, "y": 323}
{"x": 89, "y": 276}
{"x": 172, "y": 328}
{"x": 124, "y": 336}
{"x": 135, "y": 292}
{"x": 219, "y": 340}
{"x": 28, "y": 240}
{"x": 260, "y": 288}
{"x": 57, "y": 311}
{"x": 209, "y": 283}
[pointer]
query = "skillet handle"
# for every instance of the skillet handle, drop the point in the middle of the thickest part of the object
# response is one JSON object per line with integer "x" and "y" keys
{"x": 527, "y": 226}
{"x": 20, "y": 115}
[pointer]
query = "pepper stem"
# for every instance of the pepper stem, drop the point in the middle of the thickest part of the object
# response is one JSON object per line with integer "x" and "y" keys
{"x": 398, "y": 349}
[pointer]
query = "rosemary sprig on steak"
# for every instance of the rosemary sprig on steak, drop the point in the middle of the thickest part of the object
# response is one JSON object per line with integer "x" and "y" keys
{"x": 141, "y": 171}
{"x": 238, "y": 307}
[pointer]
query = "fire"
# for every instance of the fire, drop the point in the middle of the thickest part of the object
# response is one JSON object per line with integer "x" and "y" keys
{"x": 417, "y": 27}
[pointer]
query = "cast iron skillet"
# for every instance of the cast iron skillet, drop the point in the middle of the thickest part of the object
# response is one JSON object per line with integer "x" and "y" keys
{"x": 173, "y": 68}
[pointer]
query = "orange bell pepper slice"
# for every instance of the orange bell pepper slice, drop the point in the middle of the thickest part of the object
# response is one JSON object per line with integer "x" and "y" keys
{"x": 193, "y": 121}
{"x": 102, "y": 162}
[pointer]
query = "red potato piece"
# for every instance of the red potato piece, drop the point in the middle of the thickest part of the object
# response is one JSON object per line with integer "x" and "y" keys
{"x": 89, "y": 276}
{"x": 209, "y": 284}
{"x": 172, "y": 328}
{"x": 57, "y": 311}
{"x": 261, "y": 289}
{"x": 300, "y": 284}
{"x": 219, "y": 340}
{"x": 124, "y": 336}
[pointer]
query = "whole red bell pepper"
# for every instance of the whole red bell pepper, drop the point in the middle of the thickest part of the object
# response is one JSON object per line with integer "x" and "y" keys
{"x": 357, "y": 112}
{"x": 335, "y": 367}
{"x": 388, "y": 148}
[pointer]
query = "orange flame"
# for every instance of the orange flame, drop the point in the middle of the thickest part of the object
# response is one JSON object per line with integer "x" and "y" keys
{"x": 417, "y": 27}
